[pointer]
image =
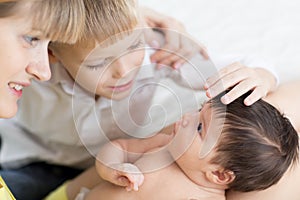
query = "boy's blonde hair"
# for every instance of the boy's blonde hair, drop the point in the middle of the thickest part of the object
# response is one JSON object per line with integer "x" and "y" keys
{"x": 59, "y": 20}
{"x": 107, "y": 20}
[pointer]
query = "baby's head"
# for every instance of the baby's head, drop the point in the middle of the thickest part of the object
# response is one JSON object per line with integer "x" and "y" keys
{"x": 258, "y": 144}
{"x": 105, "y": 61}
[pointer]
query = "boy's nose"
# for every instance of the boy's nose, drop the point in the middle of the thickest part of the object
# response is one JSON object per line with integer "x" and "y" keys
{"x": 121, "y": 68}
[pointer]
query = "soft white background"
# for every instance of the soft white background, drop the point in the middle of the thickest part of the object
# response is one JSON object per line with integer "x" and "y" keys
{"x": 269, "y": 29}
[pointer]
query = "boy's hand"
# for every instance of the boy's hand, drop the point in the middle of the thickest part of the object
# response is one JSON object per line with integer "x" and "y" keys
{"x": 177, "y": 47}
{"x": 126, "y": 175}
{"x": 242, "y": 79}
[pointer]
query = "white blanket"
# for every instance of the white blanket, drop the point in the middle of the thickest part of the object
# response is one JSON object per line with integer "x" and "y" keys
{"x": 267, "y": 29}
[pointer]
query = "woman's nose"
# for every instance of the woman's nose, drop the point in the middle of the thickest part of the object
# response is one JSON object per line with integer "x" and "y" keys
{"x": 39, "y": 67}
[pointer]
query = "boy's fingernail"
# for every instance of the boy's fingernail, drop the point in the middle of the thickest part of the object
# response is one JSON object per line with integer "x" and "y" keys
{"x": 177, "y": 65}
{"x": 208, "y": 93}
{"x": 206, "y": 86}
{"x": 154, "y": 44}
{"x": 225, "y": 99}
{"x": 247, "y": 102}
{"x": 159, "y": 66}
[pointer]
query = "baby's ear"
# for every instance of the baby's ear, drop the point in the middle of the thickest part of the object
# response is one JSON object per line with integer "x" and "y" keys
{"x": 221, "y": 176}
{"x": 52, "y": 57}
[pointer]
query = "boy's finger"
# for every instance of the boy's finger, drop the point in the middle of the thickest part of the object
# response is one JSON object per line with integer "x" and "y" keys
{"x": 230, "y": 69}
{"x": 230, "y": 80}
{"x": 182, "y": 56}
{"x": 240, "y": 89}
{"x": 257, "y": 94}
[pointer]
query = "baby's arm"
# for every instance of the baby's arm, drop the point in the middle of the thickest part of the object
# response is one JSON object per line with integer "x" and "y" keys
{"x": 115, "y": 161}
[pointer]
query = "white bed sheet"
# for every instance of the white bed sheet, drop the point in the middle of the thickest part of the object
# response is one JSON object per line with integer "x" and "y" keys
{"x": 268, "y": 29}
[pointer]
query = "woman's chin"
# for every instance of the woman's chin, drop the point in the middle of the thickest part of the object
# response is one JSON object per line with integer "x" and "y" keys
{"x": 8, "y": 111}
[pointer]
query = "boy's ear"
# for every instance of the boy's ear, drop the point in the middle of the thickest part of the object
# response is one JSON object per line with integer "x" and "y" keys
{"x": 52, "y": 57}
{"x": 221, "y": 176}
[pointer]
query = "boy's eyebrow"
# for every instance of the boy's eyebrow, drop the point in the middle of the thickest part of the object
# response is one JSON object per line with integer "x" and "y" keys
{"x": 138, "y": 37}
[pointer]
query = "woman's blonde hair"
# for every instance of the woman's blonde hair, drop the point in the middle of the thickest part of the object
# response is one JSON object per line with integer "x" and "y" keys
{"x": 59, "y": 20}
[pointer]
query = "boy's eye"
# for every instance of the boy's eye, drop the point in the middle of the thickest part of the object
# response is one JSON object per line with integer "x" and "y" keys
{"x": 95, "y": 67}
{"x": 199, "y": 129}
{"x": 98, "y": 66}
{"x": 137, "y": 45}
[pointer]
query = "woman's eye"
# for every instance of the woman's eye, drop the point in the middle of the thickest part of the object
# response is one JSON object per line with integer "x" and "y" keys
{"x": 199, "y": 129}
{"x": 30, "y": 40}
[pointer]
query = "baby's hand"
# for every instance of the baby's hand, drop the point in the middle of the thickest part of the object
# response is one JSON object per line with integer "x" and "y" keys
{"x": 242, "y": 79}
{"x": 127, "y": 175}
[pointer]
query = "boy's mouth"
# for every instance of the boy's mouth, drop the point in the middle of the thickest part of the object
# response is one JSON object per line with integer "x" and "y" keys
{"x": 123, "y": 87}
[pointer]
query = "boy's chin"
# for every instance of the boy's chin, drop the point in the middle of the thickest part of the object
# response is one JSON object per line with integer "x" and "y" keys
{"x": 119, "y": 96}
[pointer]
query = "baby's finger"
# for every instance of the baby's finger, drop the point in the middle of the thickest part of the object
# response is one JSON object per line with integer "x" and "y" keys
{"x": 129, "y": 187}
{"x": 136, "y": 181}
{"x": 122, "y": 181}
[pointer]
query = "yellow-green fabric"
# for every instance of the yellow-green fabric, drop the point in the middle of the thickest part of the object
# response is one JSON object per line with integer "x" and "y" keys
{"x": 58, "y": 194}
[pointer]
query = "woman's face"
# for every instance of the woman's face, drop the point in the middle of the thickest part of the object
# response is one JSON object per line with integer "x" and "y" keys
{"x": 23, "y": 56}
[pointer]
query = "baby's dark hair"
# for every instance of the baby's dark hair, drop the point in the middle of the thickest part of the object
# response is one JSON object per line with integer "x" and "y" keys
{"x": 257, "y": 143}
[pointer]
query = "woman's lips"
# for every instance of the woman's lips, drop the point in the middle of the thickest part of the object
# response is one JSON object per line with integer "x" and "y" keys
{"x": 17, "y": 88}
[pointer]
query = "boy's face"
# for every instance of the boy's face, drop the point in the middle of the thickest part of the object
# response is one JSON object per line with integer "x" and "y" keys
{"x": 107, "y": 71}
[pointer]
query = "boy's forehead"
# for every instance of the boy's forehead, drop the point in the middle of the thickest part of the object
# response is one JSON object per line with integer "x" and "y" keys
{"x": 116, "y": 49}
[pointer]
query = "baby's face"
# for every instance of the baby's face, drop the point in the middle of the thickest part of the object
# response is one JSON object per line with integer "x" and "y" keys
{"x": 107, "y": 71}
{"x": 193, "y": 145}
